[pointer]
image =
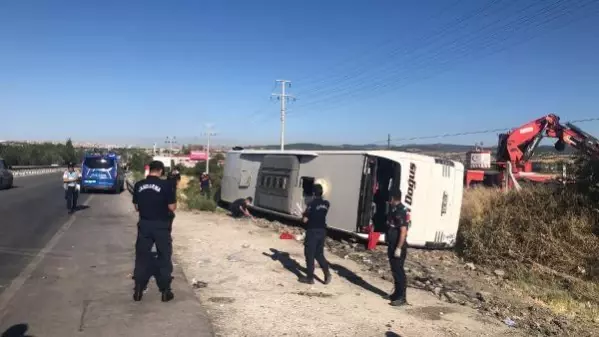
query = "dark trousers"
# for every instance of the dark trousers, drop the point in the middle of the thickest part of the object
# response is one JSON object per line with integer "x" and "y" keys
{"x": 148, "y": 234}
{"x": 71, "y": 195}
{"x": 397, "y": 264}
{"x": 314, "y": 250}
{"x": 206, "y": 191}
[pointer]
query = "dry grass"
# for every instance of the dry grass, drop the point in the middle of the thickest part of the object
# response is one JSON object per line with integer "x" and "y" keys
{"x": 546, "y": 239}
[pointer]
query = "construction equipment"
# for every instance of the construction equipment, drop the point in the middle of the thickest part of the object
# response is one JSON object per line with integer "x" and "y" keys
{"x": 516, "y": 147}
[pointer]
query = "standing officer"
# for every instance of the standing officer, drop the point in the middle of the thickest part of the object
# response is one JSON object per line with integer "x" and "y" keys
{"x": 155, "y": 199}
{"x": 397, "y": 247}
{"x": 71, "y": 179}
{"x": 315, "y": 218}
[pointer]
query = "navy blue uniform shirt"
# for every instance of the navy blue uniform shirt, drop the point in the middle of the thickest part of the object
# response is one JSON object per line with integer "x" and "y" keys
{"x": 152, "y": 197}
{"x": 316, "y": 212}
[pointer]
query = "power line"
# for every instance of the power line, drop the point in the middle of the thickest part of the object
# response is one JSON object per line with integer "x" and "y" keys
{"x": 370, "y": 51}
{"x": 466, "y": 133}
{"x": 463, "y": 50}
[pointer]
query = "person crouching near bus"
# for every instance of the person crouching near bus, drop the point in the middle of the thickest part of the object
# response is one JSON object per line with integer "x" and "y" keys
{"x": 70, "y": 179}
{"x": 397, "y": 247}
{"x": 315, "y": 218}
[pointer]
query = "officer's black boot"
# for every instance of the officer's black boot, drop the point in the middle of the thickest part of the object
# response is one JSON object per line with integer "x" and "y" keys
{"x": 167, "y": 295}
{"x": 306, "y": 280}
{"x": 327, "y": 277}
{"x": 138, "y": 292}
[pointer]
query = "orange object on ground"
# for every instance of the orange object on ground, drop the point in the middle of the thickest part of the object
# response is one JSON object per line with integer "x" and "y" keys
{"x": 373, "y": 237}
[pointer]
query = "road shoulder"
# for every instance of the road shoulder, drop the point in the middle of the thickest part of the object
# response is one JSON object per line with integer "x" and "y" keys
{"x": 241, "y": 270}
{"x": 83, "y": 284}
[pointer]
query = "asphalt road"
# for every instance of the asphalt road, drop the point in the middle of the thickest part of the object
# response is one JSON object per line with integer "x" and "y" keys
{"x": 30, "y": 214}
{"x": 70, "y": 275}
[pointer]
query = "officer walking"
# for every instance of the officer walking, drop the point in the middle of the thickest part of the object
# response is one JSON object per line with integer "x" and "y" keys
{"x": 71, "y": 179}
{"x": 155, "y": 199}
{"x": 315, "y": 218}
{"x": 397, "y": 247}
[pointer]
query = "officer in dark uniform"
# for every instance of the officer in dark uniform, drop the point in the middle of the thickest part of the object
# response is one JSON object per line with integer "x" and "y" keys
{"x": 397, "y": 247}
{"x": 155, "y": 199}
{"x": 315, "y": 218}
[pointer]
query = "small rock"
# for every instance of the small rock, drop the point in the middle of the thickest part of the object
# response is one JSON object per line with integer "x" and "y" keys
{"x": 470, "y": 266}
{"x": 437, "y": 291}
{"x": 246, "y": 245}
{"x": 499, "y": 272}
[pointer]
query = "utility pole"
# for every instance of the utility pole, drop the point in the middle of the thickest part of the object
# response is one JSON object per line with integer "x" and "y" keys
{"x": 170, "y": 146}
{"x": 171, "y": 142}
{"x": 389, "y": 141}
{"x": 209, "y": 133}
{"x": 283, "y": 97}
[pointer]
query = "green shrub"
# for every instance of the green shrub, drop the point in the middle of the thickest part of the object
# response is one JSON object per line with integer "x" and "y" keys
{"x": 201, "y": 203}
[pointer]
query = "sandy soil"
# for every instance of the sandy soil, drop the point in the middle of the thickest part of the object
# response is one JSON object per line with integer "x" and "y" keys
{"x": 246, "y": 277}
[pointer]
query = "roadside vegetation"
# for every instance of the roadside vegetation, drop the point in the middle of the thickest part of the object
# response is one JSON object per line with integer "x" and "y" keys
{"x": 546, "y": 239}
{"x": 24, "y": 154}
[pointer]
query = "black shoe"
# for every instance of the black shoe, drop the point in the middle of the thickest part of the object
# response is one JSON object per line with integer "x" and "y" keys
{"x": 327, "y": 278}
{"x": 167, "y": 295}
{"x": 399, "y": 302}
{"x": 138, "y": 293}
{"x": 306, "y": 280}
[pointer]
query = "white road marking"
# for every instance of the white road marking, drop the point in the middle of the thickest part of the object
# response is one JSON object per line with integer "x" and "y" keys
{"x": 7, "y": 295}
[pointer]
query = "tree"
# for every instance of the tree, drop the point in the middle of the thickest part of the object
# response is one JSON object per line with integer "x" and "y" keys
{"x": 139, "y": 159}
{"x": 69, "y": 152}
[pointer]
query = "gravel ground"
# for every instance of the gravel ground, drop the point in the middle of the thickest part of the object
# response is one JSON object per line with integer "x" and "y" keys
{"x": 244, "y": 274}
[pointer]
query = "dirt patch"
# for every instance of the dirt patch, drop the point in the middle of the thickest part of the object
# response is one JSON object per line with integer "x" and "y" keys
{"x": 496, "y": 293}
{"x": 269, "y": 300}
{"x": 314, "y": 294}
{"x": 221, "y": 299}
{"x": 433, "y": 313}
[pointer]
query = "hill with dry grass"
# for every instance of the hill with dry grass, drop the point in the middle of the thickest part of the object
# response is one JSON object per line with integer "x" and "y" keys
{"x": 546, "y": 239}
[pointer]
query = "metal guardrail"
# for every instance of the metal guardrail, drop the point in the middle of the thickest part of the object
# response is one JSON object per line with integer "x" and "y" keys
{"x": 22, "y": 171}
{"x": 130, "y": 183}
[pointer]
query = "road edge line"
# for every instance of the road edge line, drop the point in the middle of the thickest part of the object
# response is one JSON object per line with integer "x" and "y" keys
{"x": 9, "y": 293}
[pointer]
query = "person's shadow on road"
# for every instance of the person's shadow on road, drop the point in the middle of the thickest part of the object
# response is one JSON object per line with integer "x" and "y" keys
{"x": 288, "y": 263}
{"x": 355, "y": 279}
{"x": 17, "y": 330}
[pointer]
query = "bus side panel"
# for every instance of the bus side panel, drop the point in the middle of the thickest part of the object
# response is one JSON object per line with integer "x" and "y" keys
{"x": 343, "y": 174}
{"x": 240, "y": 176}
{"x": 415, "y": 182}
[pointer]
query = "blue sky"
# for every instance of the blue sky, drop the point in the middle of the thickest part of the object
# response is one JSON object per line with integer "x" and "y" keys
{"x": 146, "y": 69}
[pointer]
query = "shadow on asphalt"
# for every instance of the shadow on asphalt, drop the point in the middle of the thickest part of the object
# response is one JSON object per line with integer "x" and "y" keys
{"x": 17, "y": 330}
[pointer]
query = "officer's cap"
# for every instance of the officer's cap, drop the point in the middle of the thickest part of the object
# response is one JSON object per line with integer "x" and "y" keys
{"x": 156, "y": 165}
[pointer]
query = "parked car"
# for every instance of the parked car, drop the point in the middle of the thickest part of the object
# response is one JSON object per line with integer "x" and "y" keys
{"x": 6, "y": 176}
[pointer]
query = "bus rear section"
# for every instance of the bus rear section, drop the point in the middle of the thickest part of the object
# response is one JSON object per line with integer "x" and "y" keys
{"x": 101, "y": 173}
